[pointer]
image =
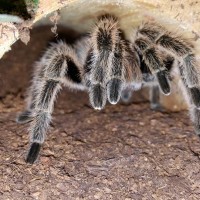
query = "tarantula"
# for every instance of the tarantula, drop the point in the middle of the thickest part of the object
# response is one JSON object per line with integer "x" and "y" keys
{"x": 104, "y": 64}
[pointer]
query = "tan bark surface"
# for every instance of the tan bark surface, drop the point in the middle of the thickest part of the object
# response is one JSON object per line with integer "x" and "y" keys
{"x": 186, "y": 12}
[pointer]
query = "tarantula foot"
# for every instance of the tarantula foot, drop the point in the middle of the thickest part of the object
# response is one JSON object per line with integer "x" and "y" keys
{"x": 97, "y": 96}
{"x": 156, "y": 107}
{"x": 163, "y": 82}
{"x": 33, "y": 153}
{"x": 197, "y": 131}
{"x": 195, "y": 93}
{"x": 24, "y": 117}
{"x": 126, "y": 95}
{"x": 114, "y": 89}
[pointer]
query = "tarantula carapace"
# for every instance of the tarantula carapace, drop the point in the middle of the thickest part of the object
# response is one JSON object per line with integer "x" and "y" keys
{"x": 104, "y": 63}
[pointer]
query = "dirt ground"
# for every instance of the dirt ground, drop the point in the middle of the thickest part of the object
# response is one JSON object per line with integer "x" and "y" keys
{"x": 123, "y": 152}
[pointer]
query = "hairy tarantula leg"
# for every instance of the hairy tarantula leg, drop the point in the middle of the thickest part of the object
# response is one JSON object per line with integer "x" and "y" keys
{"x": 195, "y": 117}
{"x": 114, "y": 85}
{"x": 153, "y": 60}
{"x": 125, "y": 70}
{"x": 24, "y": 117}
{"x": 58, "y": 65}
{"x": 193, "y": 95}
{"x": 97, "y": 95}
{"x": 33, "y": 152}
{"x": 114, "y": 89}
{"x": 180, "y": 48}
{"x": 154, "y": 94}
{"x": 104, "y": 38}
{"x": 126, "y": 95}
{"x": 192, "y": 74}
{"x": 185, "y": 52}
{"x": 163, "y": 76}
{"x": 42, "y": 115}
{"x": 163, "y": 81}
{"x": 194, "y": 92}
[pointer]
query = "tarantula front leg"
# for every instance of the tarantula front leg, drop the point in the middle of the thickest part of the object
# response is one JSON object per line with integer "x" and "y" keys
{"x": 117, "y": 74}
{"x": 105, "y": 39}
{"x": 105, "y": 63}
{"x": 58, "y": 66}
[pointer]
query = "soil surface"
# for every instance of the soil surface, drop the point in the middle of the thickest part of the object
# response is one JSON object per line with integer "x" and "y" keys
{"x": 123, "y": 152}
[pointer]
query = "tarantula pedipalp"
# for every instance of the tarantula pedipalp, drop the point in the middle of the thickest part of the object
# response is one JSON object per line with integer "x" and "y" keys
{"x": 105, "y": 64}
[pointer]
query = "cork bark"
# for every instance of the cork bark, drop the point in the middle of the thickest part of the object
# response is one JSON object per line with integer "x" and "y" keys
{"x": 185, "y": 12}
